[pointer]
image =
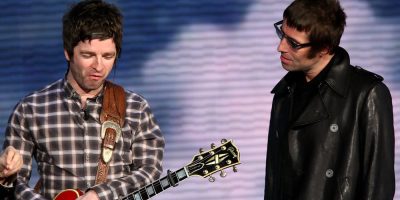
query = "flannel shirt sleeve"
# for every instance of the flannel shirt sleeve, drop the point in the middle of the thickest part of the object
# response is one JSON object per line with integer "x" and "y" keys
{"x": 18, "y": 136}
{"x": 147, "y": 152}
{"x": 7, "y": 186}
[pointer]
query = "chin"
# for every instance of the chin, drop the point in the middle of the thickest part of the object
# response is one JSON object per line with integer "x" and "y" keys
{"x": 93, "y": 86}
{"x": 290, "y": 68}
{"x": 287, "y": 68}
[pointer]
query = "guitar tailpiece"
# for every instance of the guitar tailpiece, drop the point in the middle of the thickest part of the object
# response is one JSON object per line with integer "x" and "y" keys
{"x": 170, "y": 179}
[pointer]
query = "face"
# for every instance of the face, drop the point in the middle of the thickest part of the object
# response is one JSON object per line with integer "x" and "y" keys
{"x": 296, "y": 59}
{"x": 90, "y": 65}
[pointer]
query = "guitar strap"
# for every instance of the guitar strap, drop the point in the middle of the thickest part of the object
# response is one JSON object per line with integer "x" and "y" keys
{"x": 112, "y": 118}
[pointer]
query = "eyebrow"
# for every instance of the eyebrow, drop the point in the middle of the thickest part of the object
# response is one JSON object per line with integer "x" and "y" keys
{"x": 287, "y": 36}
{"x": 93, "y": 53}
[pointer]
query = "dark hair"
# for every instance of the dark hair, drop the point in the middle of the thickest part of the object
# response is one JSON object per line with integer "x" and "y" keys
{"x": 92, "y": 19}
{"x": 323, "y": 20}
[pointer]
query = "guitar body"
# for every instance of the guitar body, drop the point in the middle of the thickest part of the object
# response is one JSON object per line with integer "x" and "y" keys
{"x": 69, "y": 194}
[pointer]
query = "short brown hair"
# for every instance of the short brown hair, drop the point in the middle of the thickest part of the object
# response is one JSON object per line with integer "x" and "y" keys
{"x": 323, "y": 20}
{"x": 92, "y": 19}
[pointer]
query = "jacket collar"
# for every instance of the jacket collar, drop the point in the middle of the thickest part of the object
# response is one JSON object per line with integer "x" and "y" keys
{"x": 337, "y": 78}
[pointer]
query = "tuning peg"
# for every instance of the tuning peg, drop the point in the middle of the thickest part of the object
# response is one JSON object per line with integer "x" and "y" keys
{"x": 223, "y": 173}
{"x": 234, "y": 169}
{"x": 212, "y": 145}
{"x": 201, "y": 150}
{"x": 223, "y": 141}
{"x": 211, "y": 179}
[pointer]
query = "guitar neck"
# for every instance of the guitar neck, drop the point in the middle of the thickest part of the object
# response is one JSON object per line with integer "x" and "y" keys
{"x": 152, "y": 189}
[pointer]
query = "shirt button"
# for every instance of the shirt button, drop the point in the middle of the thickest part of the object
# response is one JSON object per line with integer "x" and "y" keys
{"x": 87, "y": 157}
{"x": 329, "y": 173}
{"x": 334, "y": 128}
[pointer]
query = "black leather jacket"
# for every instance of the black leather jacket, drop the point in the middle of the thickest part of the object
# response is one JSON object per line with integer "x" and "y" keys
{"x": 341, "y": 147}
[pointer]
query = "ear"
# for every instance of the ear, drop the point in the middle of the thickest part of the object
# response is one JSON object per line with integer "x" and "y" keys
{"x": 323, "y": 52}
{"x": 66, "y": 55}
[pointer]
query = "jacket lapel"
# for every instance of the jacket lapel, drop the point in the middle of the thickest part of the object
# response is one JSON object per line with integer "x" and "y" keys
{"x": 337, "y": 80}
{"x": 314, "y": 112}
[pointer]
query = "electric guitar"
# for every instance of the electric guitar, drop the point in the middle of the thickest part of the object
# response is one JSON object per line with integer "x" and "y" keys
{"x": 204, "y": 165}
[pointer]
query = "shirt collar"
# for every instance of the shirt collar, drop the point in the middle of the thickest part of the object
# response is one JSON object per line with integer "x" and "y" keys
{"x": 70, "y": 92}
{"x": 336, "y": 75}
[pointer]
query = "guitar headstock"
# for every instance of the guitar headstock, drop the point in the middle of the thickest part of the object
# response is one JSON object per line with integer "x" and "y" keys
{"x": 216, "y": 159}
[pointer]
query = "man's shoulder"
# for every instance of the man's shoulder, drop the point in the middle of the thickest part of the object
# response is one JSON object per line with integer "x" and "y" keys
{"x": 134, "y": 97}
{"x": 130, "y": 95}
{"x": 366, "y": 75}
{"x": 361, "y": 76}
{"x": 52, "y": 88}
{"x": 363, "y": 80}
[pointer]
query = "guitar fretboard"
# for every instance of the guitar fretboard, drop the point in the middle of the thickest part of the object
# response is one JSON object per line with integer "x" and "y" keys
{"x": 157, "y": 186}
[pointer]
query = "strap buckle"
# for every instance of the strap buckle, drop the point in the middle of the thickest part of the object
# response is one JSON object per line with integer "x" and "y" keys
{"x": 107, "y": 147}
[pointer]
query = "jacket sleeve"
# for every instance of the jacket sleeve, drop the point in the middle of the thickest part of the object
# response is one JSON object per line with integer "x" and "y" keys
{"x": 378, "y": 145}
{"x": 147, "y": 153}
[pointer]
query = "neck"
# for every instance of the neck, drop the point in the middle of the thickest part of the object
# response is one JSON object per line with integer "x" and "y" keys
{"x": 83, "y": 93}
{"x": 318, "y": 67}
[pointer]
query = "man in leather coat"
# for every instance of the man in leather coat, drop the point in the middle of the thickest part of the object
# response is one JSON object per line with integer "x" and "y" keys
{"x": 331, "y": 134}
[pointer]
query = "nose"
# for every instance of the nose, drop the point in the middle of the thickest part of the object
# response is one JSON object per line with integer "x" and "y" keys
{"x": 98, "y": 63}
{"x": 283, "y": 46}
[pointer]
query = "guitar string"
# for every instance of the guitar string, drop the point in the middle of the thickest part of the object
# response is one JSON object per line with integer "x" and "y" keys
{"x": 158, "y": 181}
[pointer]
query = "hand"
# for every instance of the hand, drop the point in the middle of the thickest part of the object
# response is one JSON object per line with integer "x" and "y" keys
{"x": 10, "y": 162}
{"x": 90, "y": 195}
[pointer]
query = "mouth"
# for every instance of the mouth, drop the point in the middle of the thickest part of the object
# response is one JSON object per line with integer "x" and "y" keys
{"x": 95, "y": 77}
{"x": 284, "y": 59}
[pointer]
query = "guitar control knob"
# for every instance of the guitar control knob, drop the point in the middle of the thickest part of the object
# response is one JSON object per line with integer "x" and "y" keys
{"x": 234, "y": 169}
{"x": 223, "y": 174}
{"x": 211, "y": 179}
{"x": 201, "y": 150}
{"x": 224, "y": 141}
{"x": 212, "y": 145}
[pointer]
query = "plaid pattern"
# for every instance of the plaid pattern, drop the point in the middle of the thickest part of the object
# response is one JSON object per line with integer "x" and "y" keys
{"x": 65, "y": 141}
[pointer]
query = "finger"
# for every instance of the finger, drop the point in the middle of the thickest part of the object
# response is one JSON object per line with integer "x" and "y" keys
{"x": 9, "y": 150}
{"x": 7, "y": 158}
{"x": 19, "y": 163}
{"x": 14, "y": 169}
{"x": 13, "y": 156}
{"x": 12, "y": 159}
{"x": 4, "y": 173}
{"x": 3, "y": 159}
{"x": 16, "y": 164}
{"x": 2, "y": 164}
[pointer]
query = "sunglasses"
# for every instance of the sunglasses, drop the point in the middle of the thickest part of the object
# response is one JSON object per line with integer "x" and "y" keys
{"x": 292, "y": 43}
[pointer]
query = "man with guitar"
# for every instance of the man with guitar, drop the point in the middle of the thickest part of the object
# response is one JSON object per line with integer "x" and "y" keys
{"x": 85, "y": 132}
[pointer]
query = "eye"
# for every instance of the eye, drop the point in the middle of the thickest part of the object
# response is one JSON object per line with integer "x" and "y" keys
{"x": 293, "y": 43}
{"x": 86, "y": 55}
{"x": 109, "y": 57}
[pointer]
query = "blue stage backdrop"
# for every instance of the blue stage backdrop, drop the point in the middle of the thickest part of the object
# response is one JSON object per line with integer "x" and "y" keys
{"x": 207, "y": 68}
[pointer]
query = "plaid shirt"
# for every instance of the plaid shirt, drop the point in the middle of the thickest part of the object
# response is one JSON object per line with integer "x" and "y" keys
{"x": 65, "y": 141}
